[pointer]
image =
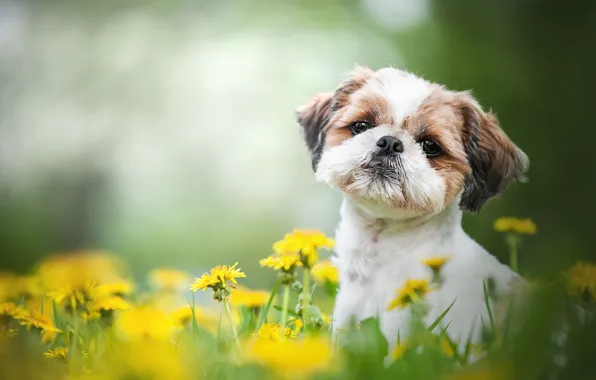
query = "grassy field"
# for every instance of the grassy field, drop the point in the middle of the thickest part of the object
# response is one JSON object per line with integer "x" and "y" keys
{"x": 80, "y": 316}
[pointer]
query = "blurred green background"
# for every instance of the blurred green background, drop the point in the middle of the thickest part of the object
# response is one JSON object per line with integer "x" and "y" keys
{"x": 164, "y": 131}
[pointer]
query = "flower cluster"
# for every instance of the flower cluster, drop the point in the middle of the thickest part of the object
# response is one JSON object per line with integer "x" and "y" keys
{"x": 514, "y": 228}
{"x": 306, "y": 243}
{"x": 218, "y": 279}
{"x": 581, "y": 281}
{"x": 412, "y": 291}
{"x": 94, "y": 323}
{"x": 511, "y": 224}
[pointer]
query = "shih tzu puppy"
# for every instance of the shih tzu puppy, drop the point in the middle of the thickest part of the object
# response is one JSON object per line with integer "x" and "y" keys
{"x": 409, "y": 156}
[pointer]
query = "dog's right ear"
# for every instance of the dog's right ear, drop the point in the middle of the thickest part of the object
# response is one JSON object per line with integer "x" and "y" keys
{"x": 313, "y": 116}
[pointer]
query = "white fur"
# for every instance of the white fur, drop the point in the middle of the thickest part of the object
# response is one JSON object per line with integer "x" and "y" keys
{"x": 389, "y": 223}
{"x": 415, "y": 180}
{"x": 375, "y": 257}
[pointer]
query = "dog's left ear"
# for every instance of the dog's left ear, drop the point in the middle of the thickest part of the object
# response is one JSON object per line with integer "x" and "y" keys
{"x": 313, "y": 116}
{"x": 494, "y": 159}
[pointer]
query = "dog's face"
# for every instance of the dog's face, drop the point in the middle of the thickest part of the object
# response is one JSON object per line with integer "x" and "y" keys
{"x": 392, "y": 139}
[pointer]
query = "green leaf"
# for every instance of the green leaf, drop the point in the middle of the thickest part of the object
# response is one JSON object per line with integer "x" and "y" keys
{"x": 365, "y": 347}
{"x": 440, "y": 318}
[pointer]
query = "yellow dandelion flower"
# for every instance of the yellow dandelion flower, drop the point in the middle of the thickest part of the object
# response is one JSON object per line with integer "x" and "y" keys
{"x": 28, "y": 286}
{"x": 110, "y": 303}
{"x": 169, "y": 279}
{"x": 217, "y": 277}
{"x": 115, "y": 288}
{"x": 435, "y": 263}
{"x": 204, "y": 282}
{"x": 146, "y": 360}
{"x": 242, "y": 296}
{"x": 286, "y": 261}
{"x": 72, "y": 296}
{"x": 272, "y": 331}
{"x": 409, "y": 292}
{"x": 520, "y": 226}
{"x": 182, "y": 316}
{"x": 290, "y": 357}
{"x": 297, "y": 323}
{"x": 57, "y": 353}
{"x": 324, "y": 272}
{"x": 306, "y": 243}
{"x": 37, "y": 320}
{"x": 78, "y": 269}
{"x": 11, "y": 310}
{"x": 581, "y": 280}
{"x": 144, "y": 323}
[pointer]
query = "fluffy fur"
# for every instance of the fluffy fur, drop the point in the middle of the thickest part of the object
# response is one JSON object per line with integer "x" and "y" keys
{"x": 402, "y": 208}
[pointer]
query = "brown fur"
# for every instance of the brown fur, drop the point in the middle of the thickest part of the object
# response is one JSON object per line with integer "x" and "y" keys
{"x": 495, "y": 160}
{"x": 315, "y": 116}
{"x": 372, "y": 109}
{"x": 477, "y": 157}
{"x": 438, "y": 119}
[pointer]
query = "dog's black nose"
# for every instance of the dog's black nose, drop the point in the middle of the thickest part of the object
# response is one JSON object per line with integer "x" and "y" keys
{"x": 390, "y": 145}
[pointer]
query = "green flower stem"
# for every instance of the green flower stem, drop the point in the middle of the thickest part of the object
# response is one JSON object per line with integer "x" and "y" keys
{"x": 512, "y": 241}
{"x": 305, "y": 295}
{"x": 231, "y": 320}
{"x": 73, "y": 355}
{"x": 284, "y": 310}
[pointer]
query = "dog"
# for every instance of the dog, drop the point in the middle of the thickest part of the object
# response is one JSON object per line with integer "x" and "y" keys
{"x": 409, "y": 156}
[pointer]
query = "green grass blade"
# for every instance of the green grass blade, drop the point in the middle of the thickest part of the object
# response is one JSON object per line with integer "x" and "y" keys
{"x": 195, "y": 325}
{"x": 440, "y": 318}
{"x": 488, "y": 308}
{"x": 468, "y": 344}
{"x": 265, "y": 311}
{"x": 444, "y": 330}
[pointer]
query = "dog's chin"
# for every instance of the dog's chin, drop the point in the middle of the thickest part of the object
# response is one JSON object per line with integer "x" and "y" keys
{"x": 383, "y": 183}
{"x": 379, "y": 180}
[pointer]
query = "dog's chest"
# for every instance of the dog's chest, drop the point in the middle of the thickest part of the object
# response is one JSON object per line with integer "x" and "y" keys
{"x": 373, "y": 267}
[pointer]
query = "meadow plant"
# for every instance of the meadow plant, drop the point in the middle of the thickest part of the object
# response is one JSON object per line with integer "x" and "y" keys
{"x": 80, "y": 316}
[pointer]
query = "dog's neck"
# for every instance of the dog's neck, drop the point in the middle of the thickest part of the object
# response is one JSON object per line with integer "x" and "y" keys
{"x": 402, "y": 222}
{"x": 365, "y": 226}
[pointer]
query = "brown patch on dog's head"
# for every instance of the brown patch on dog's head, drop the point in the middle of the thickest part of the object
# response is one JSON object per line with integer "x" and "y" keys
{"x": 494, "y": 159}
{"x": 388, "y": 158}
{"x": 438, "y": 120}
{"x": 477, "y": 157}
{"x": 315, "y": 117}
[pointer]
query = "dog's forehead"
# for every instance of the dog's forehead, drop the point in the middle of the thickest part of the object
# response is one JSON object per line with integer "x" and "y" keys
{"x": 403, "y": 91}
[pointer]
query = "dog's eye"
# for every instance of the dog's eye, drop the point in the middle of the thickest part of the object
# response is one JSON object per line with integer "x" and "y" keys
{"x": 359, "y": 127}
{"x": 431, "y": 148}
